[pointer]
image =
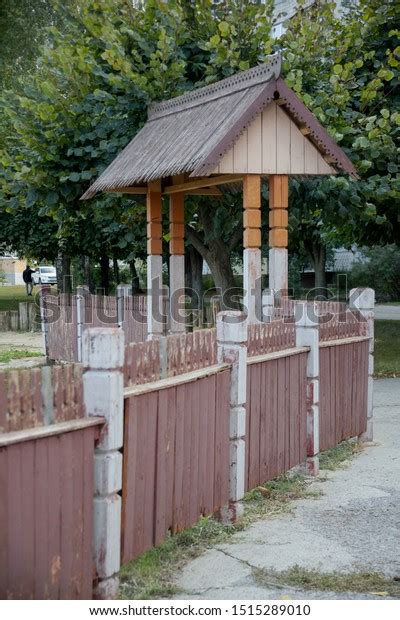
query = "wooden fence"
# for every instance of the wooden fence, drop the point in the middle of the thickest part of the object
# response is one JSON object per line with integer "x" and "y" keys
{"x": 176, "y": 457}
{"x": 69, "y": 315}
{"x": 147, "y": 361}
{"x": 46, "y": 485}
{"x": 194, "y": 438}
{"x": 276, "y": 414}
{"x": 343, "y": 390}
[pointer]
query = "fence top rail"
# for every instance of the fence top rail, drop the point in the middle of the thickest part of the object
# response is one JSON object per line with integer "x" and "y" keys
{"x": 40, "y": 432}
{"x": 341, "y": 341}
{"x": 266, "y": 357}
{"x": 162, "y": 384}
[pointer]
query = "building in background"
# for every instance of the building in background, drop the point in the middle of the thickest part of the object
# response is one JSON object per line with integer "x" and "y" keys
{"x": 11, "y": 269}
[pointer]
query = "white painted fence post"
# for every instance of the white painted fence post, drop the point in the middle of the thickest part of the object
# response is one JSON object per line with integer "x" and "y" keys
{"x": 43, "y": 291}
{"x": 103, "y": 359}
{"x": 122, "y": 291}
{"x": 307, "y": 335}
{"x": 80, "y": 319}
{"x": 363, "y": 299}
{"x": 232, "y": 349}
{"x": 268, "y": 304}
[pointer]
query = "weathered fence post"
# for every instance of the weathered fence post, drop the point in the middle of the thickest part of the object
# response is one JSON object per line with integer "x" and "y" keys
{"x": 80, "y": 319}
{"x": 268, "y": 304}
{"x": 307, "y": 335}
{"x": 363, "y": 299}
{"x": 43, "y": 291}
{"x": 121, "y": 292}
{"x": 232, "y": 349}
{"x": 23, "y": 314}
{"x": 103, "y": 358}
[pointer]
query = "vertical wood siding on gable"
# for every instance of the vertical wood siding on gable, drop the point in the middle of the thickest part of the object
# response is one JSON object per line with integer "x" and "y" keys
{"x": 273, "y": 144}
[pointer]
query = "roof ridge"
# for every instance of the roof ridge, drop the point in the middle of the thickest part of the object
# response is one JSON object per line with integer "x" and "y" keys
{"x": 234, "y": 83}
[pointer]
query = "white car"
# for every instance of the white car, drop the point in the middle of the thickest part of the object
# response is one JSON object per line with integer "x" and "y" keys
{"x": 45, "y": 274}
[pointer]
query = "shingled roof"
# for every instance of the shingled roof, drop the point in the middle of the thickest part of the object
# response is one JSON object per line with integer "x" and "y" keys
{"x": 190, "y": 133}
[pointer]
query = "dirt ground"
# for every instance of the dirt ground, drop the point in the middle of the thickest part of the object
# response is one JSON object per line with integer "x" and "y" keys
{"x": 32, "y": 341}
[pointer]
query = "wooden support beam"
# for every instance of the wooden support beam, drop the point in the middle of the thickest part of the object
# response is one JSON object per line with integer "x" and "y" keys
{"x": 278, "y": 233}
{"x": 177, "y": 224}
{"x": 127, "y": 190}
{"x": 202, "y": 183}
{"x": 154, "y": 221}
{"x": 278, "y": 204}
{"x": 251, "y": 211}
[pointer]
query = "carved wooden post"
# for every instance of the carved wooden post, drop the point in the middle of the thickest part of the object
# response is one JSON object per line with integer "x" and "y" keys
{"x": 278, "y": 233}
{"x": 154, "y": 261}
{"x": 177, "y": 262}
{"x": 252, "y": 246}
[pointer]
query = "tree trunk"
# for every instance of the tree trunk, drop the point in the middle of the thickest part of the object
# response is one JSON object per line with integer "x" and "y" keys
{"x": 63, "y": 267}
{"x": 318, "y": 258}
{"x": 194, "y": 276}
{"x": 134, "y": 279}
{"x": 105, "y": 274}
{"x": 116, "y": 271}
{"x": 87, "y": 275}
{"x": 218, "y": 259}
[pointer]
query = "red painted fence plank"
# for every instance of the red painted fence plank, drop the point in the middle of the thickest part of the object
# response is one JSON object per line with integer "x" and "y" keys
{"x": 46, "y": 508}
{"x": 185, "y": 465}
{"x": 276, "y": 417}
{"x": 343, "y": 392}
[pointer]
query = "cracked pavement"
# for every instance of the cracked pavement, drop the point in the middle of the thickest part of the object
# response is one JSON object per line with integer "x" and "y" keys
{"x": 354, "y": 526}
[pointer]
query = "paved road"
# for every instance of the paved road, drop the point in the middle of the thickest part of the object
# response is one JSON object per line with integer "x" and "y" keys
{"x": 354, "y": 526}
{"x": 389, "y": 313}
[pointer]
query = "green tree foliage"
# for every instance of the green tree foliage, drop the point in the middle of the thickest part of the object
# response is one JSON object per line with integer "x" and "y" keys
{"x": 108, "y": 60}
{"x": 23, "y": 26}
{"x": 346, "y": 69}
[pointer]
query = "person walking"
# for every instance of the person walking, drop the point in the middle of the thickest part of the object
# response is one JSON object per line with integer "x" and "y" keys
{"x": 27, "y": 278}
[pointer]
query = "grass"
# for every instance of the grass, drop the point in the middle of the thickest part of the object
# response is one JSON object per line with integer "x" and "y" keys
{"x": 387, "y": 349}
{"x": 338, "y": 457}
{"x": 150, "y": 576}
{"x": 10, "y": 296}
{"x": 274, "y": 497}
{"x": 8, "y": 355}
{"x": 304, "y": 579}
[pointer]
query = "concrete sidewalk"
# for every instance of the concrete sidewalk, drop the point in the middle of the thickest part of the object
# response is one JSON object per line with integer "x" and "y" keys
{"x": 354, "y": 526}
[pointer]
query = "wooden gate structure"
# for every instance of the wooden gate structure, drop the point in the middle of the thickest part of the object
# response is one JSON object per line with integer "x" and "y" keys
{"x": 196, "y": 436}
{"x": 245, "y": 130}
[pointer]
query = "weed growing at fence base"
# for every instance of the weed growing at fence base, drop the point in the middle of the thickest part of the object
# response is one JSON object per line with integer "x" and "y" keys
{"x": 274, "y": 497}
{"x": 304, "y": 579}
{"x": 338, "y": 457}
{"x": 150, "y": 575}
{"x": 16, "y": 354}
